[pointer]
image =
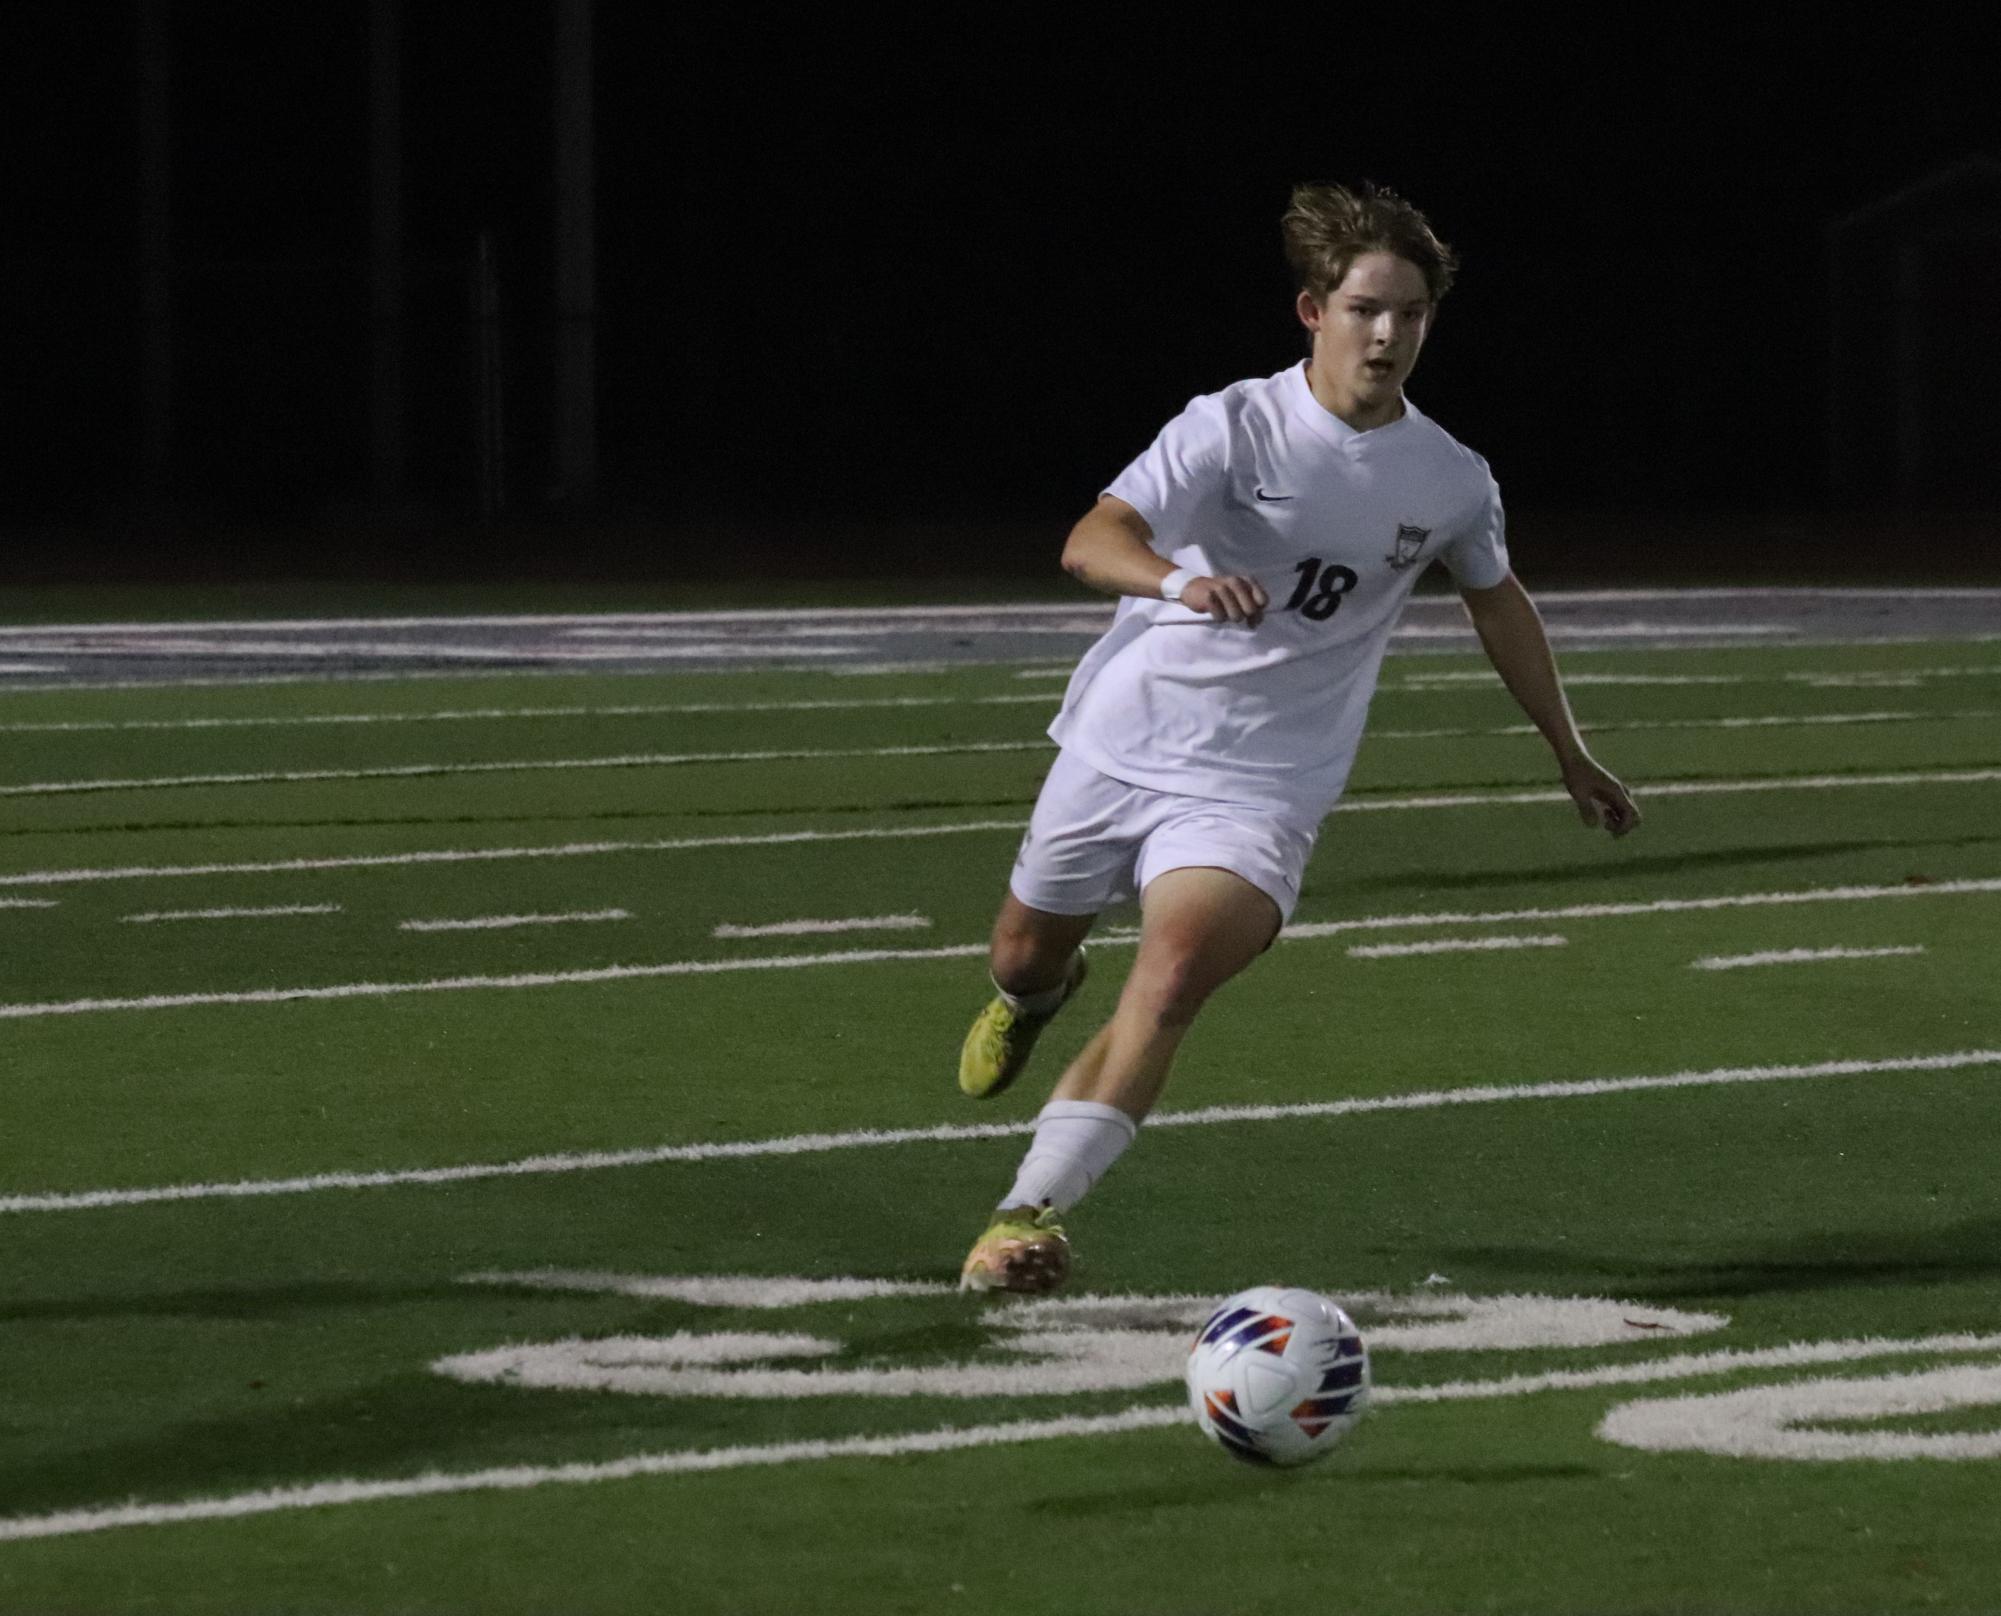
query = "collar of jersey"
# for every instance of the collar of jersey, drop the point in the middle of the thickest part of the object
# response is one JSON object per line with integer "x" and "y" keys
{"x": 1331, "y": 427}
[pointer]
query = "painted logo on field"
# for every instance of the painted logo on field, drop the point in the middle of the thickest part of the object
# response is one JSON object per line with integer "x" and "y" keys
{"x": 1052, "y": 1347}
{"x": 1065, "y": 1346}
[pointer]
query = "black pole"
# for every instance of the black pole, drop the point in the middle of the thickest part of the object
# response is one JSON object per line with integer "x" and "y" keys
{"x": 575, "y": 412}
{"x": 156, "y": 252}
{"x": 489, "y": 438}
{"x": 386, "y": 441}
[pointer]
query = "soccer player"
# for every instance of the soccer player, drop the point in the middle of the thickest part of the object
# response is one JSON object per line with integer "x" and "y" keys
{"x": 1263, "y": 548}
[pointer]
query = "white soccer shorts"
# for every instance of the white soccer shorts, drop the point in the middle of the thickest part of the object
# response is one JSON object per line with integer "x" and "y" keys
{"x": 1094, "y": 841}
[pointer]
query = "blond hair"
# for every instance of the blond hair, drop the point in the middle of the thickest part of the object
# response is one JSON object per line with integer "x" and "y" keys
{"x": 1327, "y": 227}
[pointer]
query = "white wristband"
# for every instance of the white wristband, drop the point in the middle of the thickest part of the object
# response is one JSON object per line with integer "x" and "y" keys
{"x": 1176, "y": 581}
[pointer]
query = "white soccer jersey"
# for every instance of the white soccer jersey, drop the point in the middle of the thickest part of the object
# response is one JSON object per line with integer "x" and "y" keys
{"x": 1263, "y": 481}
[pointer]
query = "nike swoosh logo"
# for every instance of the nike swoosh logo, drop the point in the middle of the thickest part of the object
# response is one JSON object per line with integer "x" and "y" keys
{"x": 1275, "y": 499}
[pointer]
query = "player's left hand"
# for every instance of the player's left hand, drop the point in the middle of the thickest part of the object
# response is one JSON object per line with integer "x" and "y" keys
{"x": 1600, "y": 799}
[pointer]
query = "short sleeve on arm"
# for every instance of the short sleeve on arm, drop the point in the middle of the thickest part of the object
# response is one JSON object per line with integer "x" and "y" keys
{"x": 1477, "y": 558}
{"x": 1181, "y": 471}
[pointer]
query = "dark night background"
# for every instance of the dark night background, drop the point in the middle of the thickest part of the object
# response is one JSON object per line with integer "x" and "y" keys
{"x": 916, "y": 285}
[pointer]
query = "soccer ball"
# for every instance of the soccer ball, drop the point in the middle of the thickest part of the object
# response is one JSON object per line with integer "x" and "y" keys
{"x": 1278, "y": 1376}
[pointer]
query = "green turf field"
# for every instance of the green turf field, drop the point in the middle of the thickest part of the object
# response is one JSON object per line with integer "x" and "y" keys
{"x": 353, "y": 1255}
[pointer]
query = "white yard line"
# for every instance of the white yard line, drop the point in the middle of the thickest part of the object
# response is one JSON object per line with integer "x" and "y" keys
{"x": 1452, "y": 945}
{"x": 415, "y": 771}
{"x": 1042, "y": 699}
{"x": 779, "y": 615}
{"x": 359, "y": 861}
{"x": 785, "y": 616}
{"x": 1557, "y": 629}
{"x": 1895, "y": 678}
{"x": 1756, "y": 721}
{"x": 1487, "y": 676}
{"x": 877, "y": 1138}
{"x": 512, "y": 1478}
{"x": 154, "y": 915}
{"x": 1074, "y": 624}
{"x": 457, "y": 855}
{"x": 1062, "y": 669}
{"x": 1768, "y": 592}
{"x": 1653, "y": 790}
{"x": 694, "y": 651}
{"x": 372, "y": 676}
{"x": 504, "y": 922}
{"x": 1796, "y": 956}
{"x": 344, "y": 650}
{"x": 802, "y": 928}
{"x": 27, "y": 903}
{"x": 796, "y": 962}
{"x": 490, "y": 714}
{"x": 1651, "y": 906}
{"x": 461, "y": 984}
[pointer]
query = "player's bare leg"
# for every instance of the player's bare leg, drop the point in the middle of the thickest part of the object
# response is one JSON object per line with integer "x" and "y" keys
{"x": 1037, "y": 961}
{"x": 1199, "y": 928}
{"x": 1031, "y": 949}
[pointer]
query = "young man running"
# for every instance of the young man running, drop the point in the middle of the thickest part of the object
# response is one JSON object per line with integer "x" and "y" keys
{"x": 1264, "y": 546}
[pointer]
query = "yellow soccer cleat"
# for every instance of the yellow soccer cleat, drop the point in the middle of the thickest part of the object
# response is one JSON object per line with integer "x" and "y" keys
{"x": 1024, "y": 1250}
{"x": 1002, "y": 1036}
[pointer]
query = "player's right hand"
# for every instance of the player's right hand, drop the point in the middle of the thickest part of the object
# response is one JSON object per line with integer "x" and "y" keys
{"x": 1601, "y": 800}
{"x": 1227, "y": 600}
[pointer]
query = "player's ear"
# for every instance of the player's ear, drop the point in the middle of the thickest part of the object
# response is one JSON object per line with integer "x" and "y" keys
{"x": 1308, "y": 311}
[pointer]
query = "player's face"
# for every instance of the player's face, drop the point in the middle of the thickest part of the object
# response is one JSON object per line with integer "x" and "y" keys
{"x": 1366, "y": 337}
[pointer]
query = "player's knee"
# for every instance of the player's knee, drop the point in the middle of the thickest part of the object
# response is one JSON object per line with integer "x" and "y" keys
{"x": 1170, "y": 990}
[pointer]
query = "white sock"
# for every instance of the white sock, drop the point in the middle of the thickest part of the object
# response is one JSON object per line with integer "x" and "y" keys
{"x": 1036, "y": 1004}
{"x": 1075, "y": 1142}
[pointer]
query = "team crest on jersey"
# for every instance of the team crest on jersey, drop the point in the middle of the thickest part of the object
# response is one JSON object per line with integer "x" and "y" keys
{"x": 1410, "y": 542}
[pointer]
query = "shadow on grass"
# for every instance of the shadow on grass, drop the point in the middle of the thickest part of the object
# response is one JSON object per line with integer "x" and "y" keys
{"x": 1823, "y": 1262}
{"x": 219, "y": 1432}
{"x": 1472, "y": 1475}
{"x": 1234, "y": 1484}
{"x": 1223, "y": 1483}
{"x": 289, "y": 1427}
{"x": 408, "y": 1425}
{"x": 239, "y": 1303}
